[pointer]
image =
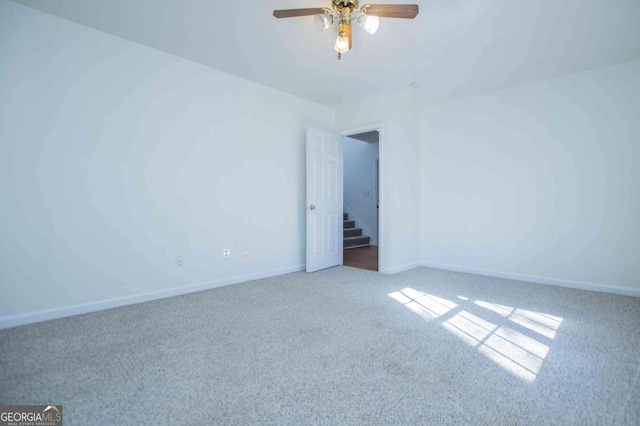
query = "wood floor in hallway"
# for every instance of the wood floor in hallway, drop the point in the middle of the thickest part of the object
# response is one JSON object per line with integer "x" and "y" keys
{"x": 362, "y": 258}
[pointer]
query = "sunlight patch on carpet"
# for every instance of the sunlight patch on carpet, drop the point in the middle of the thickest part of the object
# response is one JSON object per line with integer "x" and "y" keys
{"x": 427, "y": 306}
{"x": 521, "y": 353}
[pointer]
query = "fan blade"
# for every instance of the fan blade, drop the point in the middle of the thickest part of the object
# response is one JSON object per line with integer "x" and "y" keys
{"x": 407, "y": 11}
{"x": 292, "y": 13}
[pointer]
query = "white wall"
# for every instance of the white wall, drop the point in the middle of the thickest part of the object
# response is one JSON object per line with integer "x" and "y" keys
{"x": 360, "y": 175}
{"x": 538, "y": 182}
{"x": 399, "y": 237}
{"x": 116, "y": 158}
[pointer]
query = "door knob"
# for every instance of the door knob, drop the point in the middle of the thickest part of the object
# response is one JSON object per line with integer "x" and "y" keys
{"x": 312, "y": 207}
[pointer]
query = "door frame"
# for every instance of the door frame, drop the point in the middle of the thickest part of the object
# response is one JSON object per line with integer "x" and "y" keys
{"x": 381, "y": 180}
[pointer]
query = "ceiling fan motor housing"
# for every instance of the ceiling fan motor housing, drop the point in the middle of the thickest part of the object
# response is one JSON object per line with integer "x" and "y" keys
{"x": 339, "y": 4}
{"x": 344, "y": 8}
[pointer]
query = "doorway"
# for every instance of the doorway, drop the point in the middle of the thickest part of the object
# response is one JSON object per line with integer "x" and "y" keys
{"x": 361, "y": 199}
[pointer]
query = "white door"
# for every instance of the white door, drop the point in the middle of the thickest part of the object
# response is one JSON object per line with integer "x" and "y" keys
{"x": 324, "y": 199}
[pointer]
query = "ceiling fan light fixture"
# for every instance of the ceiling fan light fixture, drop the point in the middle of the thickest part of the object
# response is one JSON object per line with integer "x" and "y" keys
{"x": 323, "y": 21}
{"x": 346, "y": 28}
{"x": 369, "y": 23}
{"x": 342, "y": 43}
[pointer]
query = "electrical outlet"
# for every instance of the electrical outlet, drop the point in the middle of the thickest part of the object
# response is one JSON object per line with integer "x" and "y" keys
{"x": 179, "y": 261}
{"x": 226, "y": 253}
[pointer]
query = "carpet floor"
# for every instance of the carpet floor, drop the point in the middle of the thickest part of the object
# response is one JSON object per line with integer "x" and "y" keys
{"x": 340, "y": 346}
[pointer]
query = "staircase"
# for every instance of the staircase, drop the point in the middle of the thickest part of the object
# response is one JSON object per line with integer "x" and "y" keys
{"x": 353, "y": 236}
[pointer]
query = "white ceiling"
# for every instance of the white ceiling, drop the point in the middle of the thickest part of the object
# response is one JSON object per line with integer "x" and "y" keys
{"x": 453, "y": 48}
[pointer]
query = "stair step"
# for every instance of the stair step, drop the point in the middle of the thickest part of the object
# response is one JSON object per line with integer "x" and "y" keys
{"x": 349, "y": 224}
{"x": 345, "y": 216}
{"x": 351, "y": 242}
{"x": 352, "y": 232}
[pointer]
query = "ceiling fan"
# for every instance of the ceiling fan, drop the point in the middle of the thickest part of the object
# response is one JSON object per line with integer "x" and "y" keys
{"x": 345, "y": 11}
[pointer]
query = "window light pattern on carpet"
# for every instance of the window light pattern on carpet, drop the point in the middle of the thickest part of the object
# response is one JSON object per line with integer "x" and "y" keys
{"x": 521, "y": 353}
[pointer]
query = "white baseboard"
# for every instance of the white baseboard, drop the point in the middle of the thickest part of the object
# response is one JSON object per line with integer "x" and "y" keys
{"x": 49, "y": 314}
{"x": 580, "y": 285}
{"x": 402, "y": 268}
{"x": 28, "y": 318}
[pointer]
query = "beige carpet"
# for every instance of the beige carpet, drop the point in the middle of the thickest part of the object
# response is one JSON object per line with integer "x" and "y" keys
{"x": 340, "y": 346}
